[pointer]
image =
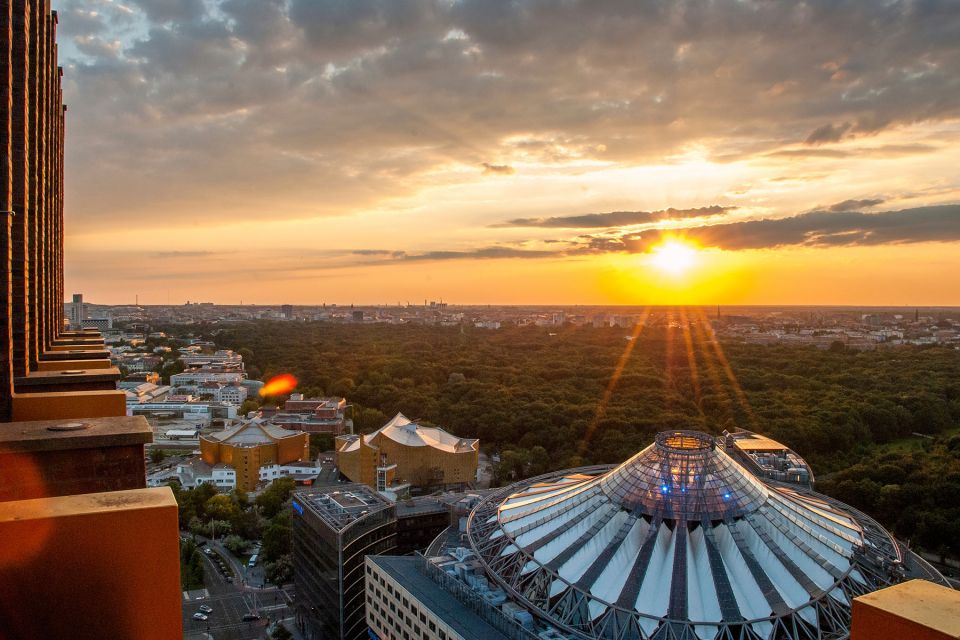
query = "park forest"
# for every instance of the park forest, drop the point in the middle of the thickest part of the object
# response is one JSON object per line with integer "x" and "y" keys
{"x": 881, "y": 428}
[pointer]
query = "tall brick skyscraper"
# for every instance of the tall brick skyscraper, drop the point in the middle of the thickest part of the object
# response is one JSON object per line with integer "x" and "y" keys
{"x": 71, "y": 461}
{"x": 31, "y": 191}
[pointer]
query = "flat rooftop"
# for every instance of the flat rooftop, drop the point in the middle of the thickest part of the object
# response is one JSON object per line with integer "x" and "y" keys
{"x": 341, "y": 505}
{"x": 461, "y": 619}
{"x": 754, "y": 442}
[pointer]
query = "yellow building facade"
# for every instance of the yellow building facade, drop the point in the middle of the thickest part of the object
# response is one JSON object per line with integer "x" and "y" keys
{"x": 252, "y": 445}
{"x": 404, "y": 452}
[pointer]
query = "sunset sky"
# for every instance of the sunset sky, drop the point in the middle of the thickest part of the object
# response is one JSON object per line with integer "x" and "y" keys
{"x": 479, "y": 151}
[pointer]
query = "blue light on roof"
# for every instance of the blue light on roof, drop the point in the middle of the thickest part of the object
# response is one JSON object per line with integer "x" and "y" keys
{"x": 664, "y": 489}
{"x": 726, "y": 496}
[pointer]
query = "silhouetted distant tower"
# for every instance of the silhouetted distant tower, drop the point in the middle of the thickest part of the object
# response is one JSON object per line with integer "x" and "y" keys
{"x": 916, "y": 315}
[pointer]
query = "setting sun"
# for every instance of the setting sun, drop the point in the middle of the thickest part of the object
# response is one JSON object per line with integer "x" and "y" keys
{"x": 673, "y": 257}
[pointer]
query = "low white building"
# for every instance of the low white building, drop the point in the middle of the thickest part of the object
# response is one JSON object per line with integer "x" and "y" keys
{"x": 195, "y": 472}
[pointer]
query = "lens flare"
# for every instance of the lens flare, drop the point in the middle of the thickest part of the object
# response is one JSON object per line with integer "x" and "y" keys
{"x": 279, "y": 385}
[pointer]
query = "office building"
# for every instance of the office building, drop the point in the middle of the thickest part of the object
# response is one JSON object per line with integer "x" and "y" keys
{"x": 313, "y": 415}
{"x": 334, "y": 529}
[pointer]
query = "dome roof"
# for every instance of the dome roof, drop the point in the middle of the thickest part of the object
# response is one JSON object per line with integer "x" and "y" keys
{"x": 680, "y": 541}
{"x": 682, "y": 476}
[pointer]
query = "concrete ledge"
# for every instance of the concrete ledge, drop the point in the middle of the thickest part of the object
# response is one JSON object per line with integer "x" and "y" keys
{"x": 60, "y": 365}
{"x": 79, "y": 342}
{"x": 38, "y": 459}
{"x": 42, "y": 435}
{"x": 914, "y": 610}
{"x": 76, "y": 379}
{"x": 72, "y": 347}
{"x": 83, "y": 354}
{"x": 80, "y": 333}
{"x": 67, "y": 405}
{"x": 101, "y": 565}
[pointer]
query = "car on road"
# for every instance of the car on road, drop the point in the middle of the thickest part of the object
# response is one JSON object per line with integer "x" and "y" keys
{"x": 250, "y": 617}
{"x": 202, "y": 617}
{"x": 205, "y": 608}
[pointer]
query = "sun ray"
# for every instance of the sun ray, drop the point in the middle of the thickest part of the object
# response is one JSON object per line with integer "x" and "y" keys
{"x": 691, "y": 359}
{"x": 728, "y": 370}
{"x": 614, "y": 379}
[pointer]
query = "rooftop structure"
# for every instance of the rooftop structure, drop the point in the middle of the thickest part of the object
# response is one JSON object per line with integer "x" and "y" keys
{"x": 768, "y": 458}
{"x": 681, "y": 541}
{"x": 403, "y": 451}
{"x": 341, "y": 506}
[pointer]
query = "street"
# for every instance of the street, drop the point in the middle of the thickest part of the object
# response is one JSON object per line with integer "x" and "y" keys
{"x": 230, "y": 602}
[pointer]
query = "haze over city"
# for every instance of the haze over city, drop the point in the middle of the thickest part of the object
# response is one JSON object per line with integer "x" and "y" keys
{"x": 488, "y": 152}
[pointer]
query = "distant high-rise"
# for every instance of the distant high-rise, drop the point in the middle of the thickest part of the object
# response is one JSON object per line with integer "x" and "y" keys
{"x": 77, "y": 311}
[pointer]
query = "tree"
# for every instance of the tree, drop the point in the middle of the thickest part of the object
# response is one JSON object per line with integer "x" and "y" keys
{"x": 277, "y": 539}
{"x": 280, "y": 571}
{"x": 191, "y": 566}
{"x": 235, "y": 544}
{"x": 280, "y": 633}
{"x": 221, "y": 507}
{"x": 240, "y": 498}
{"x": 216, "y": 528}
{"x": 157, "y": 455}
{"x": 272, "y": 499}
{"x": 249, "y": 405}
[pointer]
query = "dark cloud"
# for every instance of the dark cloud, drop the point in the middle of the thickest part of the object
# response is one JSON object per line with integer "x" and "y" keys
{"x": 828, "y": 133}
{"x": 497, "y": 169}
{"x": 817, "y": 229}
{"x": 480, "y": 254}
{"x": 378, "y": 252}
{"x": 614, "y": 218}
{"x": 220, "y": 105}
{"x": 855, "y": 205}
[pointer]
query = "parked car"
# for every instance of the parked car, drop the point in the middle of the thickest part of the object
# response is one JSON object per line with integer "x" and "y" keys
{"x": 250, "y": 617}
{"x": 202, "y": 617}
{"x": 205, "y": 608}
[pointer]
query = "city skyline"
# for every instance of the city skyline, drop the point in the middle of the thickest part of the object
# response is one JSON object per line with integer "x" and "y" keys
{"x": 537, "y": 153}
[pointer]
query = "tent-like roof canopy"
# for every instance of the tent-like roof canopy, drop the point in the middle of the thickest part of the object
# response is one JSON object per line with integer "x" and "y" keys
{"x": 681, "y": 542}
{"x": 404, "y": 431}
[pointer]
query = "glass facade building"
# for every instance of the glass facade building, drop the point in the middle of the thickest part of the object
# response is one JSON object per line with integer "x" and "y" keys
{"x": 334, "y": 529}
